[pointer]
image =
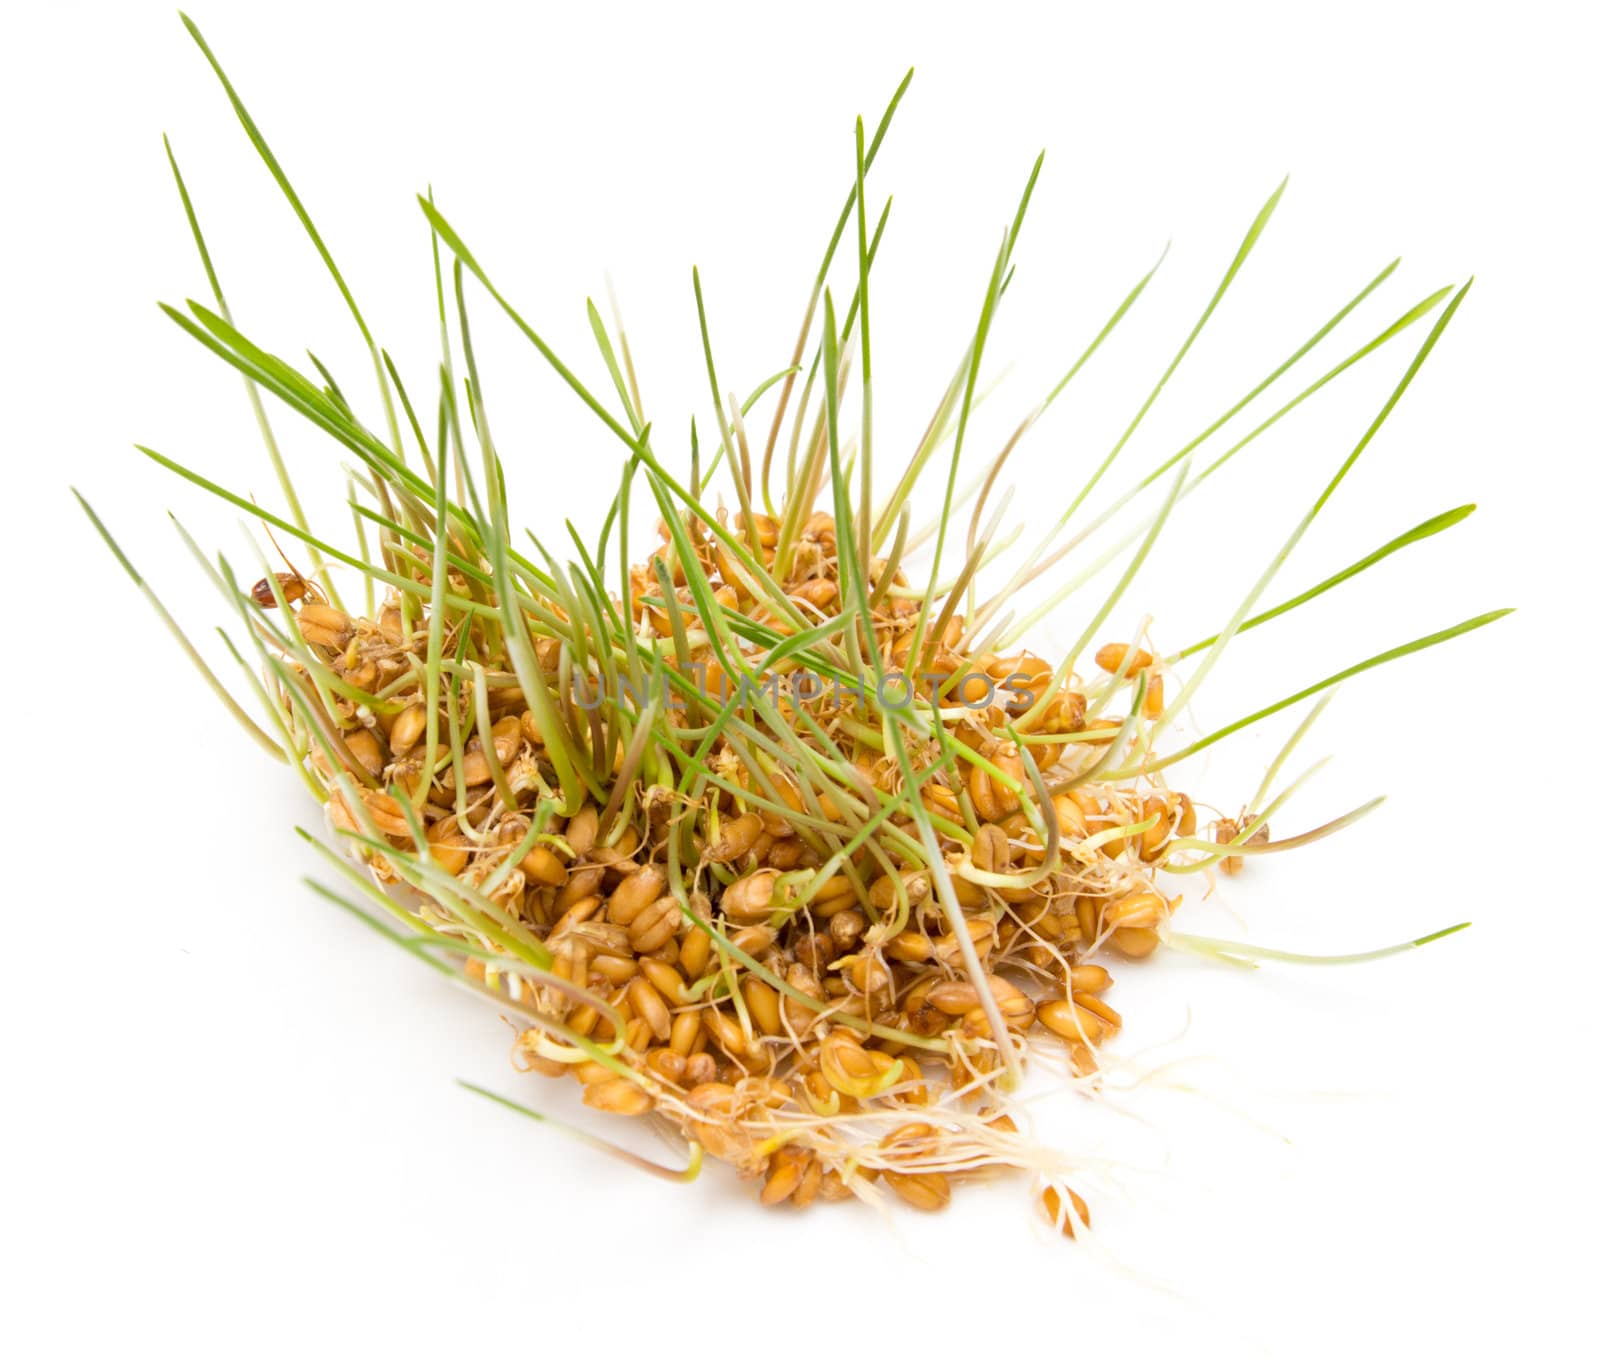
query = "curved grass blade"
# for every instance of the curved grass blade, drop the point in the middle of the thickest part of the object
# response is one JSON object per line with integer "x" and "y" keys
{"x": 1392, "y": 655}
{"x": 190, "y": 651}
{"x": 1427, "y": 529}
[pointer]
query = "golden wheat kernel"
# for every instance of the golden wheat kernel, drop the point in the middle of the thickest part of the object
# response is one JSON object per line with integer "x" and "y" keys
{"x": 391, "y": 624}
{"x": 561, "y": 964}
{"x": 969, "y": 895}
{"x": 531, "y": 731}
{"x": 1088, "y": 978}
{"x": 1015, "y": 1005}
{"x": 685, "y": 1030}
{"x": 580, "y": 953}
{"x": 408, "y": 728}
{"x": 845, "y": 927}
{"x": 1046, "y": 755}
{"x": 1225, "y": 831}
{"x": 867, "y": 974}
{"x": 991, "y": 849}
{"x": 616, "y": 970}
{"x": 765, "y": 525}
{"x": 700, "y": 1069}
{"x": 784, "y": 1170}
{"x": 1071, "y": 1022}
{"x": 544, "y": 866}
{"x": 833, "y": 1187}
{"x": 385, "y": 812}
{"x": 991, "y": 798}
{"x": 1023, "y": 665}
{"x": 618, "y": 1096}
{"x": 881, "y": 894}
{"x": 1135, "y": 943}
{"x": 1084, "y": 1063}
{"x": 726, "y": 1031}
{"x": 507, "y": 736}
{"x": 359, "y": 671}
{"x": 1106, "y": 726}
{"x": 834, "y": 887}
{"x": 953, "y": 997}
{"x": 1154, "y": 839}
{"x": 637, "y": 1035}
{"x": 975, "y": 1025}
{"x": 1038, "y": 916}
{"x": 653, "y": 929}
{"x": 883, "y": 1063}
{"x": 810, "y": 1183}
{"x": 847, "y": 1066}
{"x": 1086, "y": 910}
{"x": 647, "y": 1003}
{"x": 666, "y": 1065}
{"x": 580, "y": 912}
{"x": 634, "y": 893}
{"x": 756, "y": 940}
{"x": 763, "y": 1004}
{"x": 447, "y": 846}
{"x": 666, "y": 978}
{"x": 911, "y": 1088}
{"x": 1078, "y": 1218}
{"x": 583, "y": 1020}
{"x": 1064, "y": 714}
{"x": 366, "y": 749}
{"x": 824, "y": 1099}
{"x": 590, "y": 1072}
{"x": 1112, "y": 655}
{"x": 1155, "y": 698}
{"x": 947, "y": 948}
{"x": 820, "y": 592}
{"x": 736, "y": 837}
{"x": 1140, "y": 910}
{"x": 911, "y": 946}
{"x": 545, "y": 1067}
{"x": 1069, "y": 817}
{"x": 972, "y": 689}
{"x": 784, "y": 854}
{"x": 1092, "y": 1003}
{"x": 941, "y": 800}
{"x": 325, "y": 625}
{"x": 826, "y": 909}
{"x": 757, "y": 856}
{"x": 694, "y": 953}
{"x": 920, "y": 1190}
{"x": 749, "y": 899}
{"x": 619, "y": 855}
{"x": 582, "y": 830}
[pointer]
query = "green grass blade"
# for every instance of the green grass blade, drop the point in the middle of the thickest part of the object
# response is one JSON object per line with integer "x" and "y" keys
{"x": 190, "y": 651}
{"x": 1427, "y": 529}
{"x": 1392, "y": 655}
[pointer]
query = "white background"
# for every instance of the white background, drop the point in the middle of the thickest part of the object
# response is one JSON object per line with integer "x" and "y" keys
{"x": 234, "y": 1137}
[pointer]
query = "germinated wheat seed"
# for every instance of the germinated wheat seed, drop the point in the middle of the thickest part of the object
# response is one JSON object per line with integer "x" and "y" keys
{"x": 775, "y": 830}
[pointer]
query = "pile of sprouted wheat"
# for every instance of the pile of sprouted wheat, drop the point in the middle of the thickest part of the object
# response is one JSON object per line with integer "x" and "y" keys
{"x": 758, "y": 832}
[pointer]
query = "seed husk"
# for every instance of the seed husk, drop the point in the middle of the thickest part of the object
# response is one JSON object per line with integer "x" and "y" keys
{"x": 1076, "y": 1217}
